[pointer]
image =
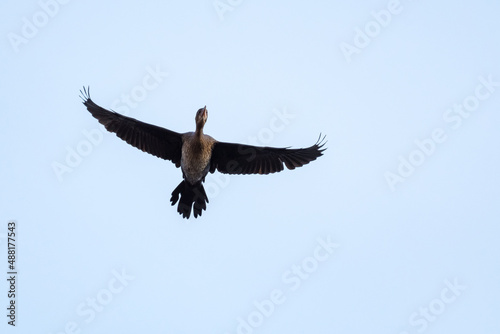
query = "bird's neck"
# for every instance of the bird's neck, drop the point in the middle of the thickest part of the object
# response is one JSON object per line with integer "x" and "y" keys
{"x": 199, "y": 131}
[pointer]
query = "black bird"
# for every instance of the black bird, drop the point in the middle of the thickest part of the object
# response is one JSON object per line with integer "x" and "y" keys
{"x": 197, "y": 153}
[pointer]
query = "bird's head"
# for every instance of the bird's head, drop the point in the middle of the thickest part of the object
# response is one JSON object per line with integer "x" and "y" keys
{"x": 201, "y": 117}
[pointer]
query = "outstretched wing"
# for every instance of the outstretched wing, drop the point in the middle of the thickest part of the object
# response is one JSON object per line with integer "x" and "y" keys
{"x": 246, "y": 159}
{"x": 148, "y": 138}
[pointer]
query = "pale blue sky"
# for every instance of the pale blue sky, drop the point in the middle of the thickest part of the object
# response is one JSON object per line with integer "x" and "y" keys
{"x": 393, "y": 230}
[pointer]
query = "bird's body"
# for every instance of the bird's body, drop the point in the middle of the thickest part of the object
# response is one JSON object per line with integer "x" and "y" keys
{"x": 197, "y": 153}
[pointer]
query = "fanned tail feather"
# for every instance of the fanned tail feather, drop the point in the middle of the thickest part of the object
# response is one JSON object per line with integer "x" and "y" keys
{"x": 191, "y": 196}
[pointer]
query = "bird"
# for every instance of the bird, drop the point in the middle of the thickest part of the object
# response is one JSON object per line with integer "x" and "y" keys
{"x": 197, "y": 154}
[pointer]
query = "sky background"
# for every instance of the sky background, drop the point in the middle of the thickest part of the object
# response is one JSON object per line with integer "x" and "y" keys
{"x": 393, "y": 230}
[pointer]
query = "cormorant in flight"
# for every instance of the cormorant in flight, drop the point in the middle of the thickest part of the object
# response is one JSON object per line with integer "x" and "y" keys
{"x": 197, "y": 153}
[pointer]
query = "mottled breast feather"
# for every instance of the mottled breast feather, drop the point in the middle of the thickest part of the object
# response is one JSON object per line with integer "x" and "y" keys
{"x": 196, "y": 155}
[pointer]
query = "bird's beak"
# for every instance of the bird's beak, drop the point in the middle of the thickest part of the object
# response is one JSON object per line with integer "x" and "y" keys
{"x": 205, "y": 111}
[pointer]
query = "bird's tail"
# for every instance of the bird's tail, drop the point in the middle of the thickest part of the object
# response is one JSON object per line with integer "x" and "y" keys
{"x": 190, "y": 193}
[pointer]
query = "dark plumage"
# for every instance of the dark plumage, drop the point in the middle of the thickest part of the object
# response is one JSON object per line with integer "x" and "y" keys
{"x": 197, "y": 153}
